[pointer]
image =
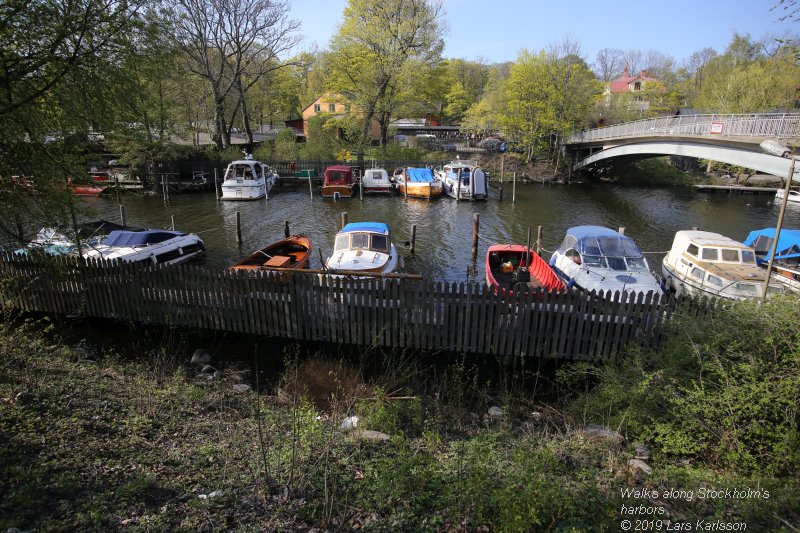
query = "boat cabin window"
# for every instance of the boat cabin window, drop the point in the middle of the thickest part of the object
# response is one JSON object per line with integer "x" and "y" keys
{"x": 710, "y": 254}
{"x": 698, "y": 273}
{"x": 574, "y": 255}
{"x": 569, "y": 242}
{"x": 616, "y": 253}
{"x": 748, "y": 257}
{"x": 746, "y": 288}
{"x": 337, "y": 177}
{"x": 714, "y": 280}
{"x": 730, "y": 255}
{"x": 692, "y": 250}
{"x": 362, "y": 241}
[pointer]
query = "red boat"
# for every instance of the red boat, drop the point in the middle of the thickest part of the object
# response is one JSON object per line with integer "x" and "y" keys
{"x": 86, "y": 190}
{"x": 509, "y": 268}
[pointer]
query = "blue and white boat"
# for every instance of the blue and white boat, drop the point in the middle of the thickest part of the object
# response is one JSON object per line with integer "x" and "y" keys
{"x": 786, "y": 265}
{"x": 364, "y": 247}
{"x": 595, "y": 258}
{"x": 158, "y": 246}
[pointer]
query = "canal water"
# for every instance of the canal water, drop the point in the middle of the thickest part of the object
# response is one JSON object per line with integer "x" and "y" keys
{"x": 650, "y": 214}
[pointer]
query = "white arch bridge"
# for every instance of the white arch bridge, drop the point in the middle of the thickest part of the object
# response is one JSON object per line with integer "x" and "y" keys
{"x": 733, "y": 139}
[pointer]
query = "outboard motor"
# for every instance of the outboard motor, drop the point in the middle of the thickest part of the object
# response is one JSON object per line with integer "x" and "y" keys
{"x": 521, "y": 275}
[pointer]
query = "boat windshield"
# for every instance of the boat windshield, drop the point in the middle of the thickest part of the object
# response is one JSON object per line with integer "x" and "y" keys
{"x": 337, "y": 177}
{"x": 362, "y": 241}
{"x": 616, "y": 253}
{"x": 238, "y": 172}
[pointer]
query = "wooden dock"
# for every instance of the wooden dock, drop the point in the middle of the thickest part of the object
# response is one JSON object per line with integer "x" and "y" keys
{"x": 737, "y": 189}
{"x": 392, "y": 313}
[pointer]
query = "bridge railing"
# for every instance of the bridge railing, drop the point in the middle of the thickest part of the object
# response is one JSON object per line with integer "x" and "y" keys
{"x": 768, "y": 125}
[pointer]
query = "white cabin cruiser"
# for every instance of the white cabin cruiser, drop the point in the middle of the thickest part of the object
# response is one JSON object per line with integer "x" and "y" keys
{"x": 157, "y": 246}
{"x": 596, "y": 258}
{"x": 376, "y": 180}
{"x": 247, "y": 179}
{"x": 464, "y": 179}
{"x": 702, "y": 263}
{"x": 364, "y": 247}
{"x": 794, "y": 195}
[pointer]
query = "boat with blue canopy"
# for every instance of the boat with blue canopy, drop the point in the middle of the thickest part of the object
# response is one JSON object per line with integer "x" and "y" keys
{"x": 364, "y": 247}
{"x": 595, "y": 258}
{"x": 158, "y": 246}
{"x": 786, "y": 265}
{"x": 417, "y": 182}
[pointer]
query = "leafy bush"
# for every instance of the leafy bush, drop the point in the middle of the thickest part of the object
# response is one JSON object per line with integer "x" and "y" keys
{"x": 724, "y": 390}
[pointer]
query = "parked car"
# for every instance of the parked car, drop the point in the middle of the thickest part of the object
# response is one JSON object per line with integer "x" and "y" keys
{"x": 448, "y": 147}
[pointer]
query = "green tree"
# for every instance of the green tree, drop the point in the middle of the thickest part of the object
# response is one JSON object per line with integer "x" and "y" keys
{"x": 57, "y": 61}
{"x": 372, "y": 48}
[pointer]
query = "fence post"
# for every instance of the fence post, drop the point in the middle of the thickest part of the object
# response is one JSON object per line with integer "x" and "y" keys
{"x": 475, "y": 225}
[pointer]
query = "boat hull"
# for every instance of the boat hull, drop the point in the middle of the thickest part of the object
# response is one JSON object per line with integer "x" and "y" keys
{"x": 239, "y": 191}
{"x": 290, "y": 253}
{"x": 420, "y": 190}
{"x": 541, "y": 276}
{"x": 340, "y": 191}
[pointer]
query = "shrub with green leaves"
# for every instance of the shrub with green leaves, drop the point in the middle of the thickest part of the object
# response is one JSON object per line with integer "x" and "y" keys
{"x": 724, "y": 390}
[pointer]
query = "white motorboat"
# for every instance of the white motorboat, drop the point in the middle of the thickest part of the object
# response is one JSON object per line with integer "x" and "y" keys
{"x": 702, "y": 263}
{"x": 376, "y": 180}
{"x": 794, "y": 195}
{"x": 595, "y": 258}
{"x": 364, "y": 247}
{"x": 464, "y": 179}
{"x": 156, "y": 246}
{"x": 247, "y": 179}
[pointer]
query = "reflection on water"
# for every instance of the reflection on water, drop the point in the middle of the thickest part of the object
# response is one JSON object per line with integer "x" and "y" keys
{"x": 651, "y": 216}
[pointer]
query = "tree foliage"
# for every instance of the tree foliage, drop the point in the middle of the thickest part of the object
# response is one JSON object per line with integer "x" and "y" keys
{"x": 373, "y": 50}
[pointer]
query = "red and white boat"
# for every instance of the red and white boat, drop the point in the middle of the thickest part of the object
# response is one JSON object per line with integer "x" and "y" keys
{"x": 513, "y": 267}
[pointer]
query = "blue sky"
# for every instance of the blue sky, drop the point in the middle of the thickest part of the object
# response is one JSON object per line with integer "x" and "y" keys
{"x": 497, "y": 29}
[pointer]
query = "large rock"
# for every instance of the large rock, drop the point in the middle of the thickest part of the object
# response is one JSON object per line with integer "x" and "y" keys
{"x": 368, "y": 434}
{"x": 200, "y": 357}
{"x": 242, "y": 388}
{"x": 641, "y": 451}
{"x": 641, "y": 466}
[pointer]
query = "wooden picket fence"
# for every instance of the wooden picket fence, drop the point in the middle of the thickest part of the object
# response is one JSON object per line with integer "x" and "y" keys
{"x": 396, "y": 313}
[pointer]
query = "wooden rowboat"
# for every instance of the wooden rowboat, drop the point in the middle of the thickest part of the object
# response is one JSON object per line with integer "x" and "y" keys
{"x": 509, "y": 268}
{"x": 292, "y": 252}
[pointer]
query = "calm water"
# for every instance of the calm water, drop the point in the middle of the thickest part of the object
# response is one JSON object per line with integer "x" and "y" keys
{"x": 651, "y": 215}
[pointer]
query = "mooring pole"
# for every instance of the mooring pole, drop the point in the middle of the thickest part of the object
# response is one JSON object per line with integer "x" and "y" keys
{"x": 344, "y": 218}
{"x": 173, "y": 222}
{"x": 216, "y": 185}
{"x": 458, "y": 189}
{"x": 774, "y": 248}
{"x": 528, "y": 249}
{"x": 514, "y": 190}
{"x": 286, "y": 231}
{"x": 310, "y": 190}
{"x": 238, "y": 228}
{"x": 475, "y": 224}
{"x": 413, "y": 237}
{"x": 622, "y": 230}
{"x": 361, "y": 188}
{"x": 502, "y": 167}
{"x": 539, "y": 241}
{"x": 122, "y": 214}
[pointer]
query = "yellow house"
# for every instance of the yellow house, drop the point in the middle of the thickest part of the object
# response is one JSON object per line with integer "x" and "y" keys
{"x": 334, "y": 105}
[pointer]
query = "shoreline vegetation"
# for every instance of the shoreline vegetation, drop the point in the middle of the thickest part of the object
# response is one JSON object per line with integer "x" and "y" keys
{"x": 701, "y": 430}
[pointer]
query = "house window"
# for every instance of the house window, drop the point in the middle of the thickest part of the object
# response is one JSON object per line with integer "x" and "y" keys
{"x": 317, "y": 108}
{"x": 332, "y": 108}
{"x": 637, "y": 86}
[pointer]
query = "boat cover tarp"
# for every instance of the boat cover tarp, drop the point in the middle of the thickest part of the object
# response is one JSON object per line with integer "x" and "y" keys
{"x": 374, "y": 227}
{"x": 420, "y": 175}
{"x": 140, "y": 238}
{"x": 788, "y": 244}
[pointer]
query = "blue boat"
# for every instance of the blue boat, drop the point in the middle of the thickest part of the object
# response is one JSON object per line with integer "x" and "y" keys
{"x": 786, "y": 265}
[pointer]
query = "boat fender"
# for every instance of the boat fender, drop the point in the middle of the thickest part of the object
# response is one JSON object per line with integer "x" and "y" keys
{"x": 180, "y": 251}
{"x": 153, "y": 259}
{"x": 570, "y": 283}
{"x": 336, "y": 195}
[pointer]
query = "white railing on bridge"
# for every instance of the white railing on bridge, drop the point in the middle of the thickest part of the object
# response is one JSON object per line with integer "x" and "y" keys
{"x": 763, "y": 125}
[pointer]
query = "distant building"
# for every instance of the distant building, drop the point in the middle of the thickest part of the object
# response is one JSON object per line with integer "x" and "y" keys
{"x": 641, "y": 88}
{"x": 334, "y": 105}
